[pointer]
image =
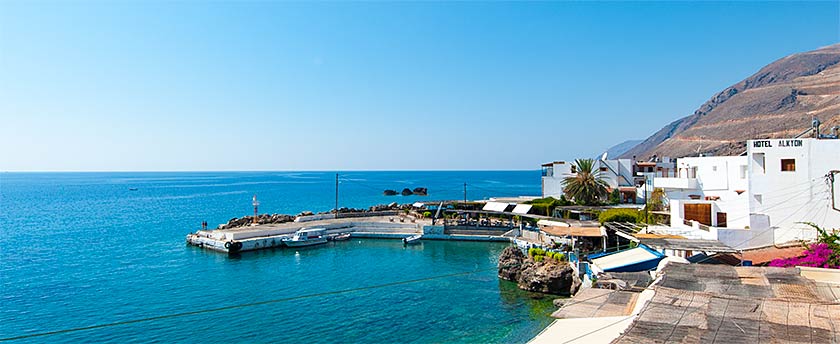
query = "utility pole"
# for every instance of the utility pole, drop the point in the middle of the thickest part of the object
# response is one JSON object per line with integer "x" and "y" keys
{"x": 465, "y": 201}
{"x": 465, "y": 194}
{"x": 336, "y": 195}
{"x": 646, "y": 210}
{"x": 256, "y": 205}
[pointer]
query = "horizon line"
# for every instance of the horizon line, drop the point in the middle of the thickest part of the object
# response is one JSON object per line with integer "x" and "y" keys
{"x": 209, "y": 171}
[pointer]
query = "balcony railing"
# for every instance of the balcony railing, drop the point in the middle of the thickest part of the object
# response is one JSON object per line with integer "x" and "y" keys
{"x": 675, "y": 183}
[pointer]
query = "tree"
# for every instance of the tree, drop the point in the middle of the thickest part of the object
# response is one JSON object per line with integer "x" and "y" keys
{"x": 587, "y": 186}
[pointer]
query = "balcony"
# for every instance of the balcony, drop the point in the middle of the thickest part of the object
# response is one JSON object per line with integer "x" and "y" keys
{"x": 675, "y": 183}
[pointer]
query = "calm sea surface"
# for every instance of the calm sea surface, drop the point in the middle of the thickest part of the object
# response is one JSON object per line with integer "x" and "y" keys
{"x": 80, "y": 249}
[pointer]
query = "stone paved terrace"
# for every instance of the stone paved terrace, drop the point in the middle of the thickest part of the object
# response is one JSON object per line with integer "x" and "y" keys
{"x": 697, "y": 303}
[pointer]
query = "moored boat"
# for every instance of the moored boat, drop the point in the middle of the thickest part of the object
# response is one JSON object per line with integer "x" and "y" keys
{"x": 307, "y": 237}
{"x": 412, "y": 240}
{"x": 342, "y": 237}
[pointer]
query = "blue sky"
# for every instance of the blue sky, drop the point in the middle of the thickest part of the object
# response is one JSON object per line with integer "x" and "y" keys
{"x": 368, "y": 86}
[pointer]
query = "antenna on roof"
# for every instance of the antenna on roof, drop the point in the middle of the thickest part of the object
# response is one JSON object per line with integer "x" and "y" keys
{"x": 815, "y": 123}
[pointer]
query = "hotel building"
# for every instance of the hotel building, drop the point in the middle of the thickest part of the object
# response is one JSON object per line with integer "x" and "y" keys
{"x": 757, "y": 199}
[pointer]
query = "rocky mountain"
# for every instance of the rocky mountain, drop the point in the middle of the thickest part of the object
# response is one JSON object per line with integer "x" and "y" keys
{"x": 778, "y": 101}
{"x": 620, "y": 148}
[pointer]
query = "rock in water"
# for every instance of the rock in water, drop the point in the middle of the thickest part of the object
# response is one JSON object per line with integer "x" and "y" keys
{"x": 389, "y": 193}
{"x": 420, "y": 191}
{"x": 550, "y": 278}
{"x": 511, "y": 262}
{"x": 547, "y": 276}
{"x": 407, "y": 192}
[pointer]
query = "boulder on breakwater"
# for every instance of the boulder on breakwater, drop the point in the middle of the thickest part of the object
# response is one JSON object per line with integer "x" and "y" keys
{"x": 261, "y": 219}
{"x": 283, "y": 218}
{"x": 547, "y": 276}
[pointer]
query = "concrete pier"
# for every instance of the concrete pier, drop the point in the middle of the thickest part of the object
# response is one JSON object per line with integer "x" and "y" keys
{"x": 258, "y": 237}
{"x": 265, "y": 236}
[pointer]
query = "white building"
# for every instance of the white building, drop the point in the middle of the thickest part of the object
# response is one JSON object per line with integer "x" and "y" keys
{"x": 794, "y": 181}
{"x": 626, "y": 175}
{"x": 756, "y": 199}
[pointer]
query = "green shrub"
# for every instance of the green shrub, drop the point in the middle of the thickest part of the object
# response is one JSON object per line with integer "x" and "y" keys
{"x": 560, "y": 257}
{"x": 615, "y": 197}
{"x": 427, "y": 214}
{"x": 545, "y": 206}
{"x": 536, "y": 251}
{"x": 539, "y": 258}
{"x": 620, "y": 215}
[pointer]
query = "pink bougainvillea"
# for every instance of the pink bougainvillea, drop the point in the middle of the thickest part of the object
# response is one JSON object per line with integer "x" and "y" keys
{"x": 817, "y": 255}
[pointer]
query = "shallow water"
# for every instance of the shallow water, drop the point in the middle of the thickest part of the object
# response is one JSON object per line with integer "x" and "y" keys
{"x": 79, "y": 249}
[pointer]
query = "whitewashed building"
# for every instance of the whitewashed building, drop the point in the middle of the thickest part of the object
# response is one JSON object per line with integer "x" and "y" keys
{"x": 756, "y": 199}
{"x": 626, "y": 175}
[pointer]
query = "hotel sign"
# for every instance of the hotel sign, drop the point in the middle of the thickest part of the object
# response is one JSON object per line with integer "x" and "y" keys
{"x": 781, "y": 143}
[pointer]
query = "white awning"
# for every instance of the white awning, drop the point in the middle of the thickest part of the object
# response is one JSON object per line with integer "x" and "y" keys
{"x": 626, "y": 236}
{"x": 552, "y": 223}
{"x": 418, "y": 205}
{"x": 494, "y": 206}
{"x": 521, "y": 208}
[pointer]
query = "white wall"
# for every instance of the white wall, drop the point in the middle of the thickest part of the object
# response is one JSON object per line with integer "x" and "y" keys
{"x": 724, "y": 178}
{"x": 790, "y": 197}
{"x": 552, "y": 185}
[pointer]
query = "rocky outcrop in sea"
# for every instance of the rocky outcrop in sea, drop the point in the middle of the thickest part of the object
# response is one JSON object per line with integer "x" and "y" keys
{"x": 547, "y": 276}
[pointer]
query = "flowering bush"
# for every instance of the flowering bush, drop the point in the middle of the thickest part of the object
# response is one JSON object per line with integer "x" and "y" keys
{"x": 818, "y": 255}
{"x": 825, "y": 253}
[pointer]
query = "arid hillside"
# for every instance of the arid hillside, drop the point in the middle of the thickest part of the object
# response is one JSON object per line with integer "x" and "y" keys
{"x": 778, "y": 101}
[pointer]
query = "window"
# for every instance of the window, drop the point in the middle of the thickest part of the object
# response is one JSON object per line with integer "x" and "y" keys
{"x": 788, "y": 165}
{"x": 758, "y": 163}
{"x": 721, "y": 219}
{"x": 548, "y": 171}
{"x": 603, "y": 169}
{"x": 743, "y": 171}
{"x": 757, "y": 198}
{"x": 714, "y": 168}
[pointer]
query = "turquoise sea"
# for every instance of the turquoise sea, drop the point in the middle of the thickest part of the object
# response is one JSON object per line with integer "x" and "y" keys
{"x": 80, "y": 249}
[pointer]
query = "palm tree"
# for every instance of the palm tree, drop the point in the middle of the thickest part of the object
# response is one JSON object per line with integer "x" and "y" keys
{"x": 587, "y": 186}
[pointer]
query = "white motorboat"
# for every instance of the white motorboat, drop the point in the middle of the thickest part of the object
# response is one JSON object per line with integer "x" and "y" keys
{"x": 307, "y": 237}
{"x": 412, "y": 240}
{"x": 342, "y": 237}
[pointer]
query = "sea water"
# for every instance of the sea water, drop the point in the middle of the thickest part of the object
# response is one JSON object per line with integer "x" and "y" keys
{"x": 82, "y": 249}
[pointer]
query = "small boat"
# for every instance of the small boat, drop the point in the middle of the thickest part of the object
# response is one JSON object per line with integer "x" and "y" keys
{"x": 342, "y": 237}
{"x": 412, "y": 240}
{"x": 132, "y": 189}
{"x": 307, "y": 237}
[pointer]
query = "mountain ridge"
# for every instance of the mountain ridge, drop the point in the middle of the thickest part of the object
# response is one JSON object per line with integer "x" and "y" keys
{"x": 777, "y": 101}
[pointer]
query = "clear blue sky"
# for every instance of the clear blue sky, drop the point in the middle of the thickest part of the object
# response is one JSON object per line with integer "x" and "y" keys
{"x": 356, "y": 86}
